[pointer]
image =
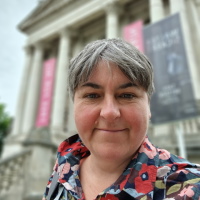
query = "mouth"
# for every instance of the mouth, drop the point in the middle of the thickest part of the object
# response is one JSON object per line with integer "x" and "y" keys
{"x": 110, "y": 130}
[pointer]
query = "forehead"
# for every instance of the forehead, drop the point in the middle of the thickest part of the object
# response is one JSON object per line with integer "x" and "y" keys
{"x": 107, "y": 74}
{"x": 105, "y": 70}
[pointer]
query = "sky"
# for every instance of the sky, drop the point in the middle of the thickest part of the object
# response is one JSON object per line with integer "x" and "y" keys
{"x": 12, "y": 56}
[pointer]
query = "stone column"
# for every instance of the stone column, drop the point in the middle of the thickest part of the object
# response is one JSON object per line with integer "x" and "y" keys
{"x": 112, "y": 21}
{"x": 33, "y": 90}
{"x": 157, "y": 13}
{"x": 71, "y": 127}
{"x": 60, "y": 91}
{"x": 195, "y": 15}
{"x": 22, "y": 93}
{"x": 197, "y": 2}
{"x": 179, "y": 6}
{"x": 156, "y": 10}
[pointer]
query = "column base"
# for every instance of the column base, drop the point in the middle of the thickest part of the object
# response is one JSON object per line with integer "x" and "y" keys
{"x": 13, "y": 145}
{"x": 59, "y": 136}
{"x": 33, "y": 197}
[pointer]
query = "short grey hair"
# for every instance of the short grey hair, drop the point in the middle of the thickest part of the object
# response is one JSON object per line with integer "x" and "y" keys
{"x": 134, "y": 64}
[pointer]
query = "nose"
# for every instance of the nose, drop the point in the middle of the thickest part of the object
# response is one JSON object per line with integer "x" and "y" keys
{"x": 110, "y": 109}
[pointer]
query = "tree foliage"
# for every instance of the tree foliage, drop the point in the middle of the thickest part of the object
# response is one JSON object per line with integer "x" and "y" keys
{"x": 5, "y": 124}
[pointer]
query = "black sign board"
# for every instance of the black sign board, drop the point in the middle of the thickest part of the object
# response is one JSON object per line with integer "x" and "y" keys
{"x": 164, "y": 46}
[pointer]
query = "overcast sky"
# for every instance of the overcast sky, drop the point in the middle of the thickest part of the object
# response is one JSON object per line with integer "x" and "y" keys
{"x": 12, "y": 41}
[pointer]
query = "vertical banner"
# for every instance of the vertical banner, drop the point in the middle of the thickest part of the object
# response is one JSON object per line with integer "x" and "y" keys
{"x": 164, "y": 45}
{"x": 133, "y": 33}
{"x": 44, "y": 111}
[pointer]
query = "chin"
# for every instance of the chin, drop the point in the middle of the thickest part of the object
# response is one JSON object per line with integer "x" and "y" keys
{"x": 111, "y": 153}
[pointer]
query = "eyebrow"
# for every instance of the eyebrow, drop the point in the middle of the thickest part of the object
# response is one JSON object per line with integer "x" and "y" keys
{"x": 127, "y": 85}
{"x": 96, "y": 86}
{"x": 92, "y": 85}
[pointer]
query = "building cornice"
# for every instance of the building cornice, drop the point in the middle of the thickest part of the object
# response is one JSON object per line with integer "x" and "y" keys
{"x": 73, "y": 19}
{"x": 43, "y": 10}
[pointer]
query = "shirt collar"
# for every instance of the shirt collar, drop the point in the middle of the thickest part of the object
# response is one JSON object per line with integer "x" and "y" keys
{"x": 137, "y": 179}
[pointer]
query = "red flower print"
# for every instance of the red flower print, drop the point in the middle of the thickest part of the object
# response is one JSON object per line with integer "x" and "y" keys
{"x": 63, "y": 148}
{"x": 177, "y": 167}
{"x": 164, "y": 154}
{"x": 75, "y": 148}
{"x": 109, "y": 197}
{"x": 148, "y": 149}
{"x": 145, "y": 179}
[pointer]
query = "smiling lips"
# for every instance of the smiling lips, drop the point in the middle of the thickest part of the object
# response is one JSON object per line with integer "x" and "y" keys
{"x": 111, "y": 130}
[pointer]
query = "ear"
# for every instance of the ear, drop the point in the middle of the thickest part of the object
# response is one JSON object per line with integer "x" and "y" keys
{"x": 149, "y": 113}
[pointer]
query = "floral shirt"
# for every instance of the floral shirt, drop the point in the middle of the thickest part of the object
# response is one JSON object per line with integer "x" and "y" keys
{"x": 152, "y": 174}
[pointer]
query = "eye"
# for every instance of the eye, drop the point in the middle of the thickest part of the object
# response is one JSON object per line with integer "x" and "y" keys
{"x": 127, "y": 96}
{"x": 92, "y": 96}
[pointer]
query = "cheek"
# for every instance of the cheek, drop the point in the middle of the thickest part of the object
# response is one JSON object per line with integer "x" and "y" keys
{"x": 84, "y": 118}
{"x": 138, "y": 119}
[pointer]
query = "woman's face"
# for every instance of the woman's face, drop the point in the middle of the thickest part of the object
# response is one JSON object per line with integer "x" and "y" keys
{"x": 111, "y": 113}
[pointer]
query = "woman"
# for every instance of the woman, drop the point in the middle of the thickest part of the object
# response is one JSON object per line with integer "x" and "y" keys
{"x": 111, "y": 84}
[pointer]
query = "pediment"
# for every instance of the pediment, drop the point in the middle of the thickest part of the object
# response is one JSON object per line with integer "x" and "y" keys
{"x": 43, "y": 9}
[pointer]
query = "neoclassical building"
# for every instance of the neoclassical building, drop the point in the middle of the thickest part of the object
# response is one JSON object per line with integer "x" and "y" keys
{"x": 57, "y": 30}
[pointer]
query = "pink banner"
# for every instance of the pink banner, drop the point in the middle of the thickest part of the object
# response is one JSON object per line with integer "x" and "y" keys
{"x": 133, "y": 33}
{"x": 44, "y": 111}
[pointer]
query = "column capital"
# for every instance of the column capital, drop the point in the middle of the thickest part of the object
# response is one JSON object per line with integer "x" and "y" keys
{"x": 112, "y": 6}
{"x": 197, "y": 2}
{"x": 156, "y": 10}
{"x": 39, "y": 45}
{"x": 28, "y": 49}
{"x": 67, "y": 32}
{"x": 112, "y": 10}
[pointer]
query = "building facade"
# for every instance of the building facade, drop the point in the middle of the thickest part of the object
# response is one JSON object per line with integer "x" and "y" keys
{"x": 57, "y": 30}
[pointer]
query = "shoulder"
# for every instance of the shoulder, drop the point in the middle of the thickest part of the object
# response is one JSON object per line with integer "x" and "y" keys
{"x": 180, "y": 177}
{"x": 184, "y": 183}
{"x": 67, "y": 145}
{"x": 177, "y": 168}
{"x": 70, "y": 149}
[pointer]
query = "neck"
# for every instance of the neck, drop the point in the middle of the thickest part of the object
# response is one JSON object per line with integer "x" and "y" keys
{"x": 97, "y": 174}
{"x": 106, "y": 167}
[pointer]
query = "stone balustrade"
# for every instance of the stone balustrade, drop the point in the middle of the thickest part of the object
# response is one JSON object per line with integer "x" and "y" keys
{"x": 12, "y": 171}
{"x": 192, "y": 126}
{"x": 168, "y": 139}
